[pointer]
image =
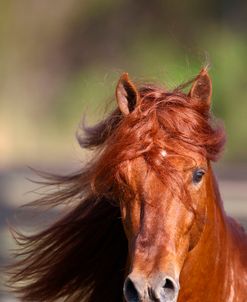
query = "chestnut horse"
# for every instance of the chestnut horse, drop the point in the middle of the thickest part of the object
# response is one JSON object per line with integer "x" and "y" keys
{"x": 146, "y": 221}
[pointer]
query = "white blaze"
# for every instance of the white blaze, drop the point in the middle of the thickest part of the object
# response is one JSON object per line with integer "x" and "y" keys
{"x": 163, "y": 153}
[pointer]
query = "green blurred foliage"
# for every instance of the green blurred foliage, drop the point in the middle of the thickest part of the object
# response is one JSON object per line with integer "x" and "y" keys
{"x": 62, "y": 58}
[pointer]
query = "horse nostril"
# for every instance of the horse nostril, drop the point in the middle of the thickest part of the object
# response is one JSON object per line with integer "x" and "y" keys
{"x": 170, "y": 289}
{"x": 130, "y": 291}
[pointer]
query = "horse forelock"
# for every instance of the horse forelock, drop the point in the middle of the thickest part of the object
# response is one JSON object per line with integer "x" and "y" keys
{"x": 179, "y": 116}
{"x": 163, "y": 120}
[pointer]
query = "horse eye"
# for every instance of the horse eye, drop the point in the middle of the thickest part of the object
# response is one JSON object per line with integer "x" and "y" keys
{"x": 197, "y": 175}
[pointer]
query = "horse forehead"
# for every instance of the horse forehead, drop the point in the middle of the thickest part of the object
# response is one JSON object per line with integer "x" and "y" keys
{"x": 138, "y": 169}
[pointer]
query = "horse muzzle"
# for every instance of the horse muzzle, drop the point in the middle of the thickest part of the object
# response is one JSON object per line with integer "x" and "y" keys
{"x": 159, "y": 288}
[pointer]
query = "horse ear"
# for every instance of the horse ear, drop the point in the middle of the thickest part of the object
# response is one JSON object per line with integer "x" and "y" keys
{"x": 127, "y": 95}
{"x": 202, "y": 87}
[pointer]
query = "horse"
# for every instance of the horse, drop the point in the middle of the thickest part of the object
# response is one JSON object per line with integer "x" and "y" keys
{"x": 144, "y": 219}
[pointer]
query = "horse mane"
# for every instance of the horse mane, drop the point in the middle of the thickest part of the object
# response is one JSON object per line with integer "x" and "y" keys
{"x": 83, "y": 255}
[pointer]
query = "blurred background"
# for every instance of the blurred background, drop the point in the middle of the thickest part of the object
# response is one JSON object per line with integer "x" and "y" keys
{"x": 61, "y": 59}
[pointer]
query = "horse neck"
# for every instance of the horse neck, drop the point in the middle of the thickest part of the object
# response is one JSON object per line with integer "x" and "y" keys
{"x": 230, "y": 237}
{"x": 215, "y": 261}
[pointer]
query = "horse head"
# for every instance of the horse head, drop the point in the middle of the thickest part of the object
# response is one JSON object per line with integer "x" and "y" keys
{"x": 167, "y": 141}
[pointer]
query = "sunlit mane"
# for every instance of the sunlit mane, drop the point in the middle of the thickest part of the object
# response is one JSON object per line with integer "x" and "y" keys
{"x": 164, "y": 120}
{"x": 179, "y": 116}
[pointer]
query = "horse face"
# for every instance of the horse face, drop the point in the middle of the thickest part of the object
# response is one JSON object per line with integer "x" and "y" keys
{"x": 163, "y": 198}
{"x": 163, "y": 221}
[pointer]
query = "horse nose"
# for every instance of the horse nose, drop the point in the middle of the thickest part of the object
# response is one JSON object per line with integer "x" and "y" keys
{"x": 131, "y": 293}
{"x": 169, "y": 290}
{"x": 137, "y": 289}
